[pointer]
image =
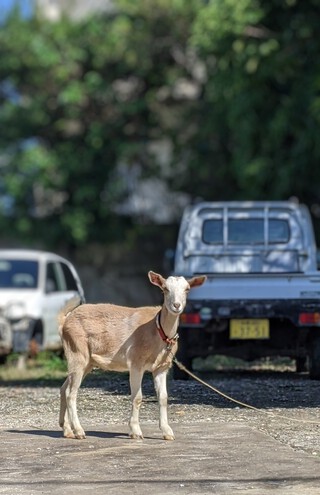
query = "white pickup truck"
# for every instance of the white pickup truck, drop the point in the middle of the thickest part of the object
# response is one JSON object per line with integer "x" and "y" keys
{"x": 262, "y": 296}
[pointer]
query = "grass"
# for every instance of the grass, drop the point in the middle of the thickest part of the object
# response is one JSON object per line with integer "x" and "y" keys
{"x": 45, "y": 366}
{"x": 224, "y": 363}
{"x": 50, "y": 366}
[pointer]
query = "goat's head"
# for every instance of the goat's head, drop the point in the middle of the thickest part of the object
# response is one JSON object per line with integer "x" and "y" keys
{"x": 175, "y": 290}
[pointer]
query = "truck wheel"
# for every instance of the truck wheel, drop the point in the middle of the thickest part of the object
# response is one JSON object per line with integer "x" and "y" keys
{"x": 301, "y": 364}
{"x": 315, "y": 358}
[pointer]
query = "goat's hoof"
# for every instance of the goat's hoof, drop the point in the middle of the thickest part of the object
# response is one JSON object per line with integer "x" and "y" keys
{"x": 134, "y": 436}
{"x": 168, "y": 437}
{"x": 80, "y": 436}
{"x": 69, "y": 434}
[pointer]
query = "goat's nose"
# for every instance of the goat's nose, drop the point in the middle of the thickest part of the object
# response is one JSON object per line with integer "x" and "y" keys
{"x": 177, "y": 305}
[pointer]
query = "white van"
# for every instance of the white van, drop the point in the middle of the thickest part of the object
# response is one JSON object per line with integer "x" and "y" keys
{"x": 34, "y": 286}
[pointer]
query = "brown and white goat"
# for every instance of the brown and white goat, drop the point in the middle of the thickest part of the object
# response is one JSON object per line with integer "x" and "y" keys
{"x": 120, "y": 338}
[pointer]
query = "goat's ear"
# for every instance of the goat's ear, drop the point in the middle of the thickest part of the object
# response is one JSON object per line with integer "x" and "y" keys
{"x": 196, "y": 281}
{"x": 156, "y": 279}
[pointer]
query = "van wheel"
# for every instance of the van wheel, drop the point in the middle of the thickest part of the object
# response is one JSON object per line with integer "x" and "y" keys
{"x": 314, "y": 357}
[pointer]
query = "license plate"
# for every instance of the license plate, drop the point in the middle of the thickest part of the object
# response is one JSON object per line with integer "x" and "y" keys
{"x": 249, "y": 329}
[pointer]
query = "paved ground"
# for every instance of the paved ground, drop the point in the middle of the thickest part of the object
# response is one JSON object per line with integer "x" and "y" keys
{"x": 204, "y": 458}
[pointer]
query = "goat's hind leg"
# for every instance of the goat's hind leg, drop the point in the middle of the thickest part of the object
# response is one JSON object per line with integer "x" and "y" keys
{"x": 74, "y": 382}
{"x": 68, "y": 406}
{"x": 64, "y": 417}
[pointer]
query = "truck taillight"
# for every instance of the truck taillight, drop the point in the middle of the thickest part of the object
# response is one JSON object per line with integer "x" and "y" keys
{"x": 190, "y": 318}
{"x": 309, "y": 319}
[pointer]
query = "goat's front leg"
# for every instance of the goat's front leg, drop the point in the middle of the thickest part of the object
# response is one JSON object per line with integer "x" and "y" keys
{"x": 160, "y": 384}
{"x": 136, "y": 398}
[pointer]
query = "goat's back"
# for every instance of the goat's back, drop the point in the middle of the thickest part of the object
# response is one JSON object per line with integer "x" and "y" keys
{"x": 111, "y": 331}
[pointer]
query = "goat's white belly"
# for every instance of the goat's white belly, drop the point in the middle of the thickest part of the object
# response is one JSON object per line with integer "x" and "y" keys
{"x": 110, "y": 363}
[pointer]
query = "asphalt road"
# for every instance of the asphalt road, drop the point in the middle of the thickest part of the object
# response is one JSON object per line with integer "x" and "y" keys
{"x": 205, "y": 458}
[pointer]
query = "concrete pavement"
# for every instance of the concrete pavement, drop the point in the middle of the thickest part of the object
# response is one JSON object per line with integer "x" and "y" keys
{"x": 205, "y": 458}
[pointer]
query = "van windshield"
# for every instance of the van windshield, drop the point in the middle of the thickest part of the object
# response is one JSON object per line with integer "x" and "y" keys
{"x": 18, "y": 274}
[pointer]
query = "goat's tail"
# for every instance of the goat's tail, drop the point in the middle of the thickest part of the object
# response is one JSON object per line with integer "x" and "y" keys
{"x": 70, "y": 305}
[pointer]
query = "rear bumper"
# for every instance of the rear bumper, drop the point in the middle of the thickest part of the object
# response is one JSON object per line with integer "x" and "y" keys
{"x": 209, "y": 311}
{"x": 211, "y": 335}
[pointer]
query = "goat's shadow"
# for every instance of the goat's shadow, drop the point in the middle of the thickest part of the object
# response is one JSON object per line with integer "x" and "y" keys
{"x": 58, "y": 434}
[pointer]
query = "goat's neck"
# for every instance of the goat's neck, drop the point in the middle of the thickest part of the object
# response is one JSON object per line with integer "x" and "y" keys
{"x": 169, "y": 322}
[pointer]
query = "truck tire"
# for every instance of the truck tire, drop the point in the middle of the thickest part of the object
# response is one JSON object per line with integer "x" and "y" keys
{"x": 314, "y": 358}
{"x": 301, "y": 364}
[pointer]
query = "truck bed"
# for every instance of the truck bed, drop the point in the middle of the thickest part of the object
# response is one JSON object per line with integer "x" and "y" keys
{"x": 267, "y": 286}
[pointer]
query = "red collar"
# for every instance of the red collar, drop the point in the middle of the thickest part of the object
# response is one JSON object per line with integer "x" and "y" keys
{"x": 170, "y": 342}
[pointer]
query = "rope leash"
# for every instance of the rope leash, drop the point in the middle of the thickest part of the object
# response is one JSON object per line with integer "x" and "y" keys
{"x": 243, "y": 404}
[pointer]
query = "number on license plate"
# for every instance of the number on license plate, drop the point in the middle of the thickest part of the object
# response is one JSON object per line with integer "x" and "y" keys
{"x": 249, "y": 329}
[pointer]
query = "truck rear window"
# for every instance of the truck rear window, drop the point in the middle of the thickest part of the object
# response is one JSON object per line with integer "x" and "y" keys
{"x": 246, "y": 231}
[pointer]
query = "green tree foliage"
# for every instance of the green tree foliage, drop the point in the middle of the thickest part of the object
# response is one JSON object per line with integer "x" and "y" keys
{"x": 232, "y": 84}
{"x": 78, "y": 98}
{"x": 260, "y": 113}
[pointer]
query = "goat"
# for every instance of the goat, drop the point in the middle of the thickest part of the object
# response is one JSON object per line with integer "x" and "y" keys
{"x": 119, "y": 338}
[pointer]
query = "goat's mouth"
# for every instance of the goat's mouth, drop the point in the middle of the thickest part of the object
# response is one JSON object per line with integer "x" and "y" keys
{"x": 176, "y": 311}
